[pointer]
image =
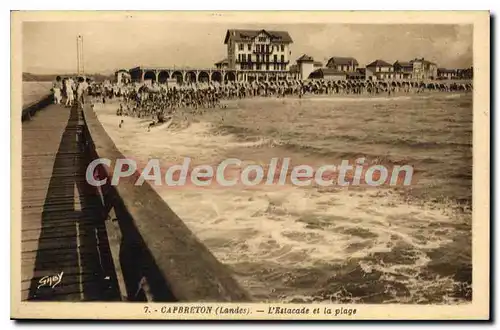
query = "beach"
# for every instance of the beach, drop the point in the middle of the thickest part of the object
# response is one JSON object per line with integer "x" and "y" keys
{"x": 388, "y": 244}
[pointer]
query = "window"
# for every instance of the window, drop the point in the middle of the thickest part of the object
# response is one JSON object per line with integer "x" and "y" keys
{"x": 244, "y": 57}
{"x": 239, "y": 57}
{"x": 240, "y": 46}
{"x": 267, "y": 48}
{"x": 249, "y": 57}
{"x": 258, "y": 66}
{"x": 262, "y": 39}
{"x": 258, "y": 58}
{"x": 282, "y": 48}
{"x": 282, "y": 58}
{"x": 275, "y": 58}
{"x": 267, "y": 67}
{"x": 267, "y": 58}
{"x": 249, "y": 47}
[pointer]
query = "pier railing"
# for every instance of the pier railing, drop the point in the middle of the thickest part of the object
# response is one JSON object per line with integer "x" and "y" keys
{"x": 30, "y": 110}
{"x": 156, "y": 256}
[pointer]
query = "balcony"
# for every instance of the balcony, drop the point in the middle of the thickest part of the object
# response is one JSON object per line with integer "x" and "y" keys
{"x": 271, "y": 61}
{"x": 262, "y": 51}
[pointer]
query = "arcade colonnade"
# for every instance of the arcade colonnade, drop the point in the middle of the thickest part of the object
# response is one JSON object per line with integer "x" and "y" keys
{"x": 161, "y": 75}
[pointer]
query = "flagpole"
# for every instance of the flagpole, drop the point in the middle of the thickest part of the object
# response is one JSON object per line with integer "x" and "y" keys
{"x": 77, "y": 56}
{"x": 83, "y": 60}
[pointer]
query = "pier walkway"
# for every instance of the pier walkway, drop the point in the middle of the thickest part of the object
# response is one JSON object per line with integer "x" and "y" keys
{"x": 112, "y": 243}
{"x": 65, "y": 250}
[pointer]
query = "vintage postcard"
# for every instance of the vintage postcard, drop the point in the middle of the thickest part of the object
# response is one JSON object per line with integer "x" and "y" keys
{"x": 250, "y": 165}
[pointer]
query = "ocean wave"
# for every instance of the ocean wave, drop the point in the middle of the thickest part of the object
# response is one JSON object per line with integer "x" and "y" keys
{"x": 338, "y": 244}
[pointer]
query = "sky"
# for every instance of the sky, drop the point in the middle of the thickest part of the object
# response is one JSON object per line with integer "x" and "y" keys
{"x": 50, "y": 47}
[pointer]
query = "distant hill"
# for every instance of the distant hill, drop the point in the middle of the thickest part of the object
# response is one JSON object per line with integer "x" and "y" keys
{"x": 51, "y": 77}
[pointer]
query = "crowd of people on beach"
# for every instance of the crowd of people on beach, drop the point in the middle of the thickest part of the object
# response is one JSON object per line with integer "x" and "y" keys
{"x": 160, "y": 101}
{"x": 194, "y": 93}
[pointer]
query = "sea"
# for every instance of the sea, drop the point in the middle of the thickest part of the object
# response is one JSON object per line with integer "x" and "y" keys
{"x": 344, "y": 244}
{"x": 34, "y": 91}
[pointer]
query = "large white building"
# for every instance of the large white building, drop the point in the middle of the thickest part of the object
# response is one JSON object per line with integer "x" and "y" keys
{"x": 258, "y": 50}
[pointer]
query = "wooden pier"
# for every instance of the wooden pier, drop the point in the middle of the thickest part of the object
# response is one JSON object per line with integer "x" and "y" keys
{"x": 65, "y": 250}
{"x": 115, "y": 243}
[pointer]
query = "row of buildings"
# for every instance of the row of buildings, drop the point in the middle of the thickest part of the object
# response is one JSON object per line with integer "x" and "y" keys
{"x": 266, "y": 55}
{"x": 269, "y": 51}
{"x": 418, "y": 69}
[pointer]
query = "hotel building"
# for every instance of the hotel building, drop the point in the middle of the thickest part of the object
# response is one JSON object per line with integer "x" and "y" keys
{"x": 258, "y": 50}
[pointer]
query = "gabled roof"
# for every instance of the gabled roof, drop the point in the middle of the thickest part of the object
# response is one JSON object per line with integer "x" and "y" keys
{"x": 342, "y": 61}
{"x": 305, "y": 58}
{"x": 248, "y": 35}
{"x": 379, "y": 63}
{"x": 423, "y": 60}
{"x": 329, "y": 72}
{"x": 403, "y": 64}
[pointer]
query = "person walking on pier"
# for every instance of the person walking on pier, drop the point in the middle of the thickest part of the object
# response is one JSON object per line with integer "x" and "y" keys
{"x": 81, "y": 90}
{"x": 68, "y": 88}
{"x": 57, "y": 88}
